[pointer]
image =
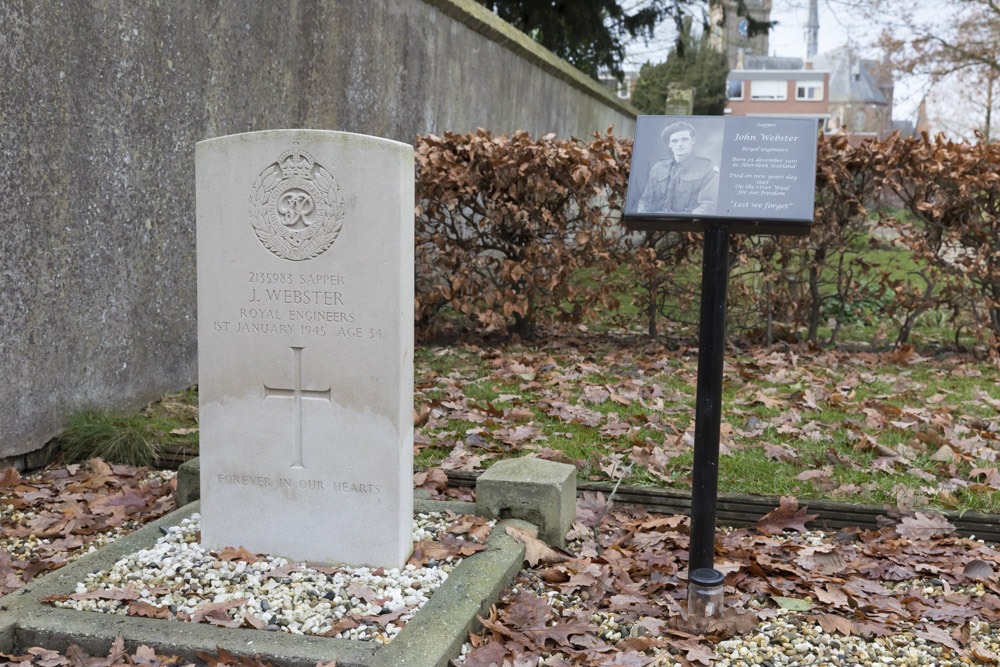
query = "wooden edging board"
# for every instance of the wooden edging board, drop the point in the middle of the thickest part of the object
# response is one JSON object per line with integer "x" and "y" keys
{"x": 745, "y": 510}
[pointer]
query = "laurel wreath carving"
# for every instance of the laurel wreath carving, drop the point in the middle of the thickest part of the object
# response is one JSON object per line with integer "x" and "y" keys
{"x": 291, "y": 244}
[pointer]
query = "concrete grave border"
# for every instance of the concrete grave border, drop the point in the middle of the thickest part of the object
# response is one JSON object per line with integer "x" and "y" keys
{"x": 431, "y": 638}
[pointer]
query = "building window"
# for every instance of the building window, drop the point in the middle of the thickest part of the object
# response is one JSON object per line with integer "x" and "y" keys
{"x": 860, "y": 120}
{"x": 769, "y": 90}
{"x": 735, "y": 89}
{"x": 809, "y": 91}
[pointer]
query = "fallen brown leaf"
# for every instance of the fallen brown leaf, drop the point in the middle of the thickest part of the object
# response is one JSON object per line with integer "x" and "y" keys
{"x": 535, "y": 550}
{"x": 241, "y": 554}
{"x": 922, "y": 526}
{"x": 787, "y": 516}
{"x": 833, "y": 623}
{"x": 142, "y": 608}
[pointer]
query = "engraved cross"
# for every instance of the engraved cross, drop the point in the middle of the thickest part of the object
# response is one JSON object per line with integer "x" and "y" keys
{"x": 298, "y": 394}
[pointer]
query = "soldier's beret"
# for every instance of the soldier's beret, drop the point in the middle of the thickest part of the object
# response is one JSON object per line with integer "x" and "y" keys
{"x": 676, "y": 127}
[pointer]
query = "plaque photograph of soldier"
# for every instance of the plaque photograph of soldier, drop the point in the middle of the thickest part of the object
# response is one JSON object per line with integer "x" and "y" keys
{"x": 675, "y": 165}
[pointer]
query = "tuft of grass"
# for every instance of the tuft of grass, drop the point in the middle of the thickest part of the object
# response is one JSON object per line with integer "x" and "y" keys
{"x": 115, "y": 437}
{"x": 153, "y": 436}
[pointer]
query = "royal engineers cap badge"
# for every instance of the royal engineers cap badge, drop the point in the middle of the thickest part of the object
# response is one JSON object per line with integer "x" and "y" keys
{"x": 295, "y": 207}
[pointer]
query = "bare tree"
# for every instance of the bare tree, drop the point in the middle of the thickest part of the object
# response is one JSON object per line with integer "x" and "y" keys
{"x": 953, "y": 43}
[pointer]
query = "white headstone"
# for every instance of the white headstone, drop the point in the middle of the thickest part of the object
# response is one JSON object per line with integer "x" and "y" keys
{"x": 305, "y": 345}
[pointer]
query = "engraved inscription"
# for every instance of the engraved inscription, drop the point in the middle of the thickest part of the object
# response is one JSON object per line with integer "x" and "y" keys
{"x": 296, "y": 209}
{"x": 265, "y": 482}
{"x": 308, "y": 304}
{"x": 298, "y": 394}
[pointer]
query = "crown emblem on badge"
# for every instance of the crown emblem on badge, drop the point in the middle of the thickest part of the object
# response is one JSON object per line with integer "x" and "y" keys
{"x": 296, "y": 164}
{"x": 296, "y": 209}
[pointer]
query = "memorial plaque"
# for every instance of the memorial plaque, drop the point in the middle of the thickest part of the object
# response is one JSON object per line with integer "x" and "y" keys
{"x": 757, "y": 174}
{"x": 305, "y": 345}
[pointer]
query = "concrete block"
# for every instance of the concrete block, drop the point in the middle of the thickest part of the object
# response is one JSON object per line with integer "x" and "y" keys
{"x": 542, "y": 492}
{"x": 189, "y": 482}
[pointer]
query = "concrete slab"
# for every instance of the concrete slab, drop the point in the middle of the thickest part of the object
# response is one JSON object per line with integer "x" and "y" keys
{"x": 435, "y": 635}
{"x": 55, "y": 629}
{"x": 432, "y": 638}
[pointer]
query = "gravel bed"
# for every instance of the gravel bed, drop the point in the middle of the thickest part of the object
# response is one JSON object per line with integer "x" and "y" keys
{"x": 177, "y": 578}
{"x": 788, "y": 640}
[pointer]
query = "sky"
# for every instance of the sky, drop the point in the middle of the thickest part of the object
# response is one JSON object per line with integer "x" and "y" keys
{"x": 836, "y": 26}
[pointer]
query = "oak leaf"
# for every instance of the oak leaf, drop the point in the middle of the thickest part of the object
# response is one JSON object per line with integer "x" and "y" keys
{"x": 216, "y": 613}
{"x": 978, "y": 569}
{"x": 100, "y": 468}
{"x": 535, "y": 550}
{"x": 144, "y": 655}
{"x": 779, "y": 453}
{"x": 946, "y": 454}
{"x": 938, "y": 636}
{"x": 833, "y": 623}
{"x": 590, "y": 505}
{"x": 119, "y": 594}
{"x": 9, "y": 477}
{"x": 922, "y": 526}
{"x": 983, "y": 654}
{"x": 433, "y": 479}
{"x": 487, "y": 655}
{"x": 761, "y": 398}
{"x": 48, "y": 658}
{"x": 615, "y": 429}
{"x": 446, "y": 547}
{"x": 241, "y": 554}
{"x": 252, "y": 621}
{"x": 831, "y": 595}
{"x": 787, "y": 516}
{"x": 992, "y": 476}
{"x": 222, "y": 658}
{"x": 362, "y": 592}
{"x": 795, "y": 604}
{"x": 343, "y": 625}
{"x": 476, "y": 527}
{"x": 733, "y": 622}
{"x": 142, "y": 608}
{"x": 391, "y": 616}
{"x": 700, "y": 653}
{"x": 639, "y": 644}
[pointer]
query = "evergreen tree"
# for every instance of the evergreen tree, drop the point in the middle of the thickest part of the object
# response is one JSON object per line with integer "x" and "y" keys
{"x": 691, "y": 62}
{"x": 590, "y": 34}
{"x": 593, "y": 34}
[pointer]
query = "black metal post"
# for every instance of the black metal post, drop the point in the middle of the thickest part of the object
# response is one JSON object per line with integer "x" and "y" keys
{"x": 708, "y": 405}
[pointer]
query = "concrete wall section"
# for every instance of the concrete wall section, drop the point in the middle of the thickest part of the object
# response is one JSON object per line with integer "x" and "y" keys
{"x": 101, "y": 104}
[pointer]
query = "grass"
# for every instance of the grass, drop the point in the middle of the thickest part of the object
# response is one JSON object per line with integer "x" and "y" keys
{"x": 933, "y": 402}
{"x": 140, "y": 439}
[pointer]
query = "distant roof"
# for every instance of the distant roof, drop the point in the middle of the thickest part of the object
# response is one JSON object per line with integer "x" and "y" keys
{"x": 905, "y": 127}
{"x": 852, "y": 78}
{"x": 771, "y": 62}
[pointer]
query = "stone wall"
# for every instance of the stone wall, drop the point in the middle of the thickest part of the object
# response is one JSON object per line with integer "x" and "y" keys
{"x": 101, "y": 104}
